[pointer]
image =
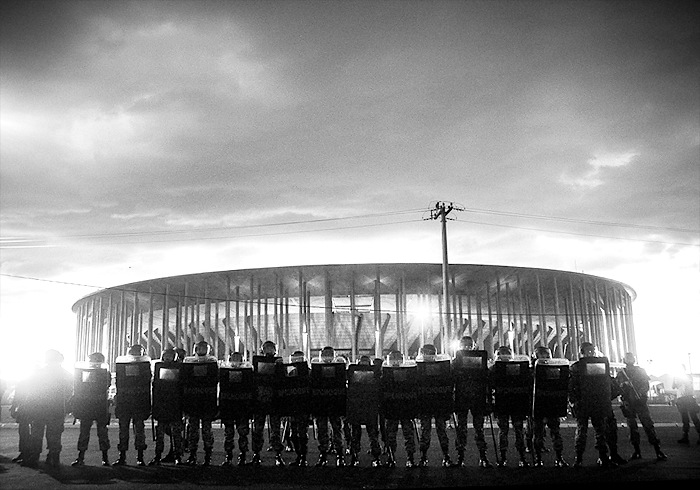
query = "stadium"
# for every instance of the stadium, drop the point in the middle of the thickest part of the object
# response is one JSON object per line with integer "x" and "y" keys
{"x": 361, "y": 309}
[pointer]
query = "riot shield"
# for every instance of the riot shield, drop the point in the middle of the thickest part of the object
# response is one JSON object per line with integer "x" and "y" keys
{"x": 266, "y": 373}
{"x": 435, "y": 386}
{"x": 236, "y": 392}
{"x": 91, "y": 383}
{"x": 167, "y": 391}
{"x": 592, "y": 376}
{"x": 328, "y": 388}
{"x": 550, "y": 388}
{"x": 294, "y": 388}
{"x": 364, "y": 394}
{"x": 133, "y": 380}
{"x": 399, "y": 390}
{"x": 200, "y": 379}
{"x": 512, "y": 386}
{"x": 471, "y": 379}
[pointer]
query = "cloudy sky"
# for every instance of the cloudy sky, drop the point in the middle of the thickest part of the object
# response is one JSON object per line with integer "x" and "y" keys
{"x": 148, "y": 139}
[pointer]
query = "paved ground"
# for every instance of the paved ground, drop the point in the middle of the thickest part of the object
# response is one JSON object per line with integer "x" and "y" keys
{"x": 681, "y": 469}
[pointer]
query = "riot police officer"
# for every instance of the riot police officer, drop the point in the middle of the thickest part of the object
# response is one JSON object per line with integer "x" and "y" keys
{"x": 435, "y": 401}
{"x": 236, "y": 395}
{"x": 328, "y": 403}
{"x": 200, "y": 382}
{"x": 167, "y": 405}
{"x": 294, "y": 399}
{"x": 266, "y": 377}
{"x": 634, "y": 383}
{"x": 48, "y": 396}
{"x": 400, "y": 405}
{"x": 590, "y": 397}
{"x": 364, "y": 394}
{"x": 91, "y": 404}
{"x": 551, "y": 378}
{"x": 511, "y": 382}
{"x": 133, "y": 401}
{"x": 472, "y": 394}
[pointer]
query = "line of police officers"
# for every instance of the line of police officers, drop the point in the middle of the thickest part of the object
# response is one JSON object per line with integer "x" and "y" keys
{"x": 289, "y": 395}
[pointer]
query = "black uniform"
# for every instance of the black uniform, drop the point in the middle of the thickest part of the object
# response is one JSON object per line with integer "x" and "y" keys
{"x": 549, "y": 404}
{"x": 435, "y": 401}
{"x": 91, "y": 404}
{"x": 48, "y": 393}
{"x": 266, "y": 377}
{"x": 328, "y": 403}
{"x": 512, "y": 384}
{"x": 590, "y": 395}
{"x": 200, "y": 378}
{"x": 132, "y": 401}
{"x": 236, "y": 399}
{"x": 472, "y": 394}
{"x": 294, "y": 400}
{"x": 363, "y": 403}
{"x": 167, "y": 406}
{"x": 400, "y": 406}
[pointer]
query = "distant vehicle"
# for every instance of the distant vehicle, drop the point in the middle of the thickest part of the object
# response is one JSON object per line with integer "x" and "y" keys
{"x": 658, "y": 395}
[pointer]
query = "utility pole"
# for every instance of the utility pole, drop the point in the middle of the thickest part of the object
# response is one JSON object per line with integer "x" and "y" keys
{"x": 440, "y": 211}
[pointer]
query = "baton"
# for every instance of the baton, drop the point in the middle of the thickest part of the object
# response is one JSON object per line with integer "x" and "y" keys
{"x": 495, "y": 449}
{"x": 269, "y": 423}
{"x": 415, "y": 429}
{"x": 153, "y": 429}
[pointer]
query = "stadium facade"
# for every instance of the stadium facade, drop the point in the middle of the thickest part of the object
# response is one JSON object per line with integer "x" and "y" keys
{"x": 360, "y": 309}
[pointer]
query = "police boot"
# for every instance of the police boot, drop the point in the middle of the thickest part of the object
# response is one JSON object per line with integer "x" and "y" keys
{"x": 523, "y": 460}
{"x": 390, "y": 460}
{"x": 340, "y": 460}
{"x": 605, "y": 461}
{"x": 617, "y": 459}
{"x": 560, "y": 462}
{"x": 169, "y": 458}
{"x": 279, "y": 460}
{"x": 322, "y": 460}
{"x": 538, "y": 463}
{"x": 139, "y": 458}
{"x": 447, "y": 461}
{"x": 504, "y": 459}
{"x": 18, "y": 458}
{"x": 256, "y": 460}
{"x": 354, "y": 460}
{"x": 155, "y": 461}
{"x": 80, "y": 460}
{"x": 637, "y": 453}
{"x": 241, "y": 459}
{"x": 579, "y": 460}
{"x": 300, "y": 461}
{"x": 52, "y": 459}
{"x": 105, "y": 459}
{"x": 423, "y": 461}
{"x": 483, "y": 460}
{"x": 229, "y": 459}
{"x": 660, "y": 456}
{"x": 121, "y": 461}
{"x": 684, "y": 439}
{"x": 376, "y": 462}
{"x": 207, "y": 458}
{"x": 410, "y": 463}
{"x": 192, "y": 460}
{"x": 460, "y": 458}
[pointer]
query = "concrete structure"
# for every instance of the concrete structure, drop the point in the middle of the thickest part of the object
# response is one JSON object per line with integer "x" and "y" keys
{"x": 360, "y": 309}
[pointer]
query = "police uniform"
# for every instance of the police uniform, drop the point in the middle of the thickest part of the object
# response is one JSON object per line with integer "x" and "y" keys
{"x": 167, "y": 406}
{"x": 133, "y": 403}
{"x": 472, "y": 394}
{"x": 550, "y": 385}
{"x": 590, "y": 396}
{"x": 328, "y": 405}
{"x": 400, "y": 407}
{"x": 265, "y": 406}
{"x": 435, "y": 402}
{"x": 511, "y": 382}
{"x": 236, "y": 397}
{"x": 363, "y": 403}
{"x": 634, "y": 383}
{"x": 48, "y": 395}
{"x": 200, "y": 380}
{"x": 91, "y": 404}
